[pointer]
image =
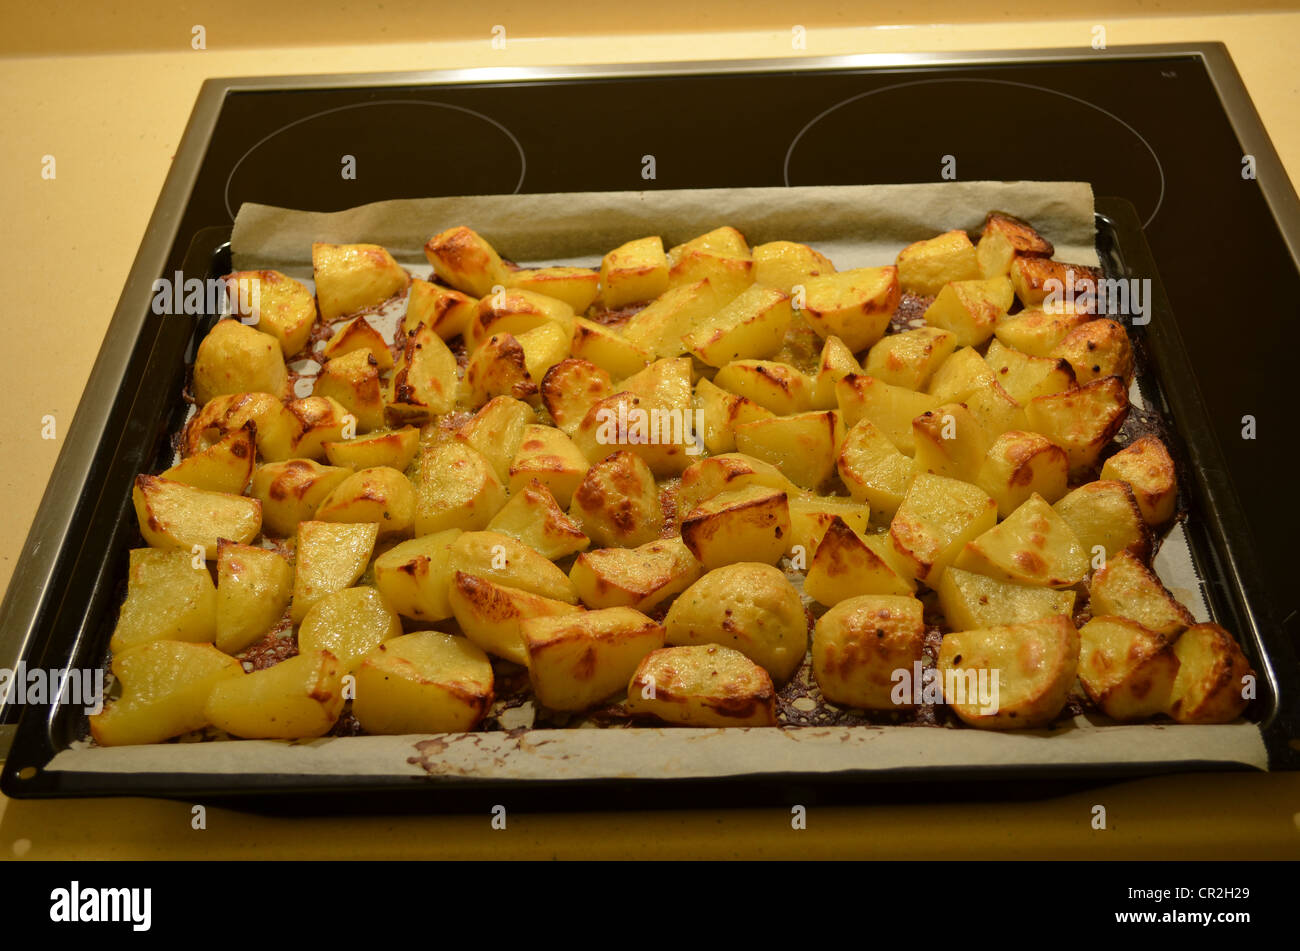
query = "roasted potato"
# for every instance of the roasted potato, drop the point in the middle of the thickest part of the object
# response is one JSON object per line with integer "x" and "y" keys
{"x": 358, "y": 334}
{"x": 349, "y": 624}
{"x": 638, "y": 578}
{"x": 1025, "y": 377}
{"x": 835, "y": 363}
{"x": 463, "y": 259}
{"x": 936, "y": 519}
{"x": 783, "y": 264}
{"x": 570, "y": 389}
{"x": 175, "y": 515}
{"x": 426, "y": 682}
{"x": 847, "y": 565}
{"x": 1145, "y": 465}
{"x": 445, "y": 311}
{"x": 415, "y": 576}
{"x": 811, "y": 517}
{"x": 1004, "y": 238}
{"x": 575, "y": 286}
{"x": 720, "y": 412}
{"x": 353, "y": 381}
{"x": 1126, "y": 588}
{"x": 167, "y": 599}
{"x": 607, "y": 349}
{"x": 1210, "y": 686}
{"x": 535, "y": 518}
{"x": 853, "y": 305}
{"x": 456, "y": 488}
{"x": 633, "y": 272}
{"x": 1019, "y": 464}
{"x": 1126, "y": 670}
{"x": 393, "y": 448}
{"x": 548, "y": 456}
{"x": 924, "y": 267}
{"x": 728, "y": 472}
{"x": 297, "y": 698}
{"x": 275, "y": 427}
{"x": 425, "y": 379}
{"x": 352, "y": 277}
{"x": 496, "y": 431}
{"x": 617, "y": 503}
{"x": 1036, "y": 332}
{"x": 331, "y": 557}
{"x": 948, "y": 441}
{"x": 234, "y": 358}
{"x": 1081, "y": 421}
{"x": 803, "y": 446}
{"x": 1032, "y": 545}
{"x": 971, "y": 601}
{"x": 1104, "y": 514}
{"x": 277, "y": 304}
{"x": 575, "y": 661}
{"x": 491, "y": 615}
{"x": 292, "y": 491}
{"x": 749, "y": 524}
{"x": 253, "y": 589}
{"x": 774, "y": 386}
{"x": 909, "y": 358}
{"x": 752, "y": 326}
{"x": 860, "y": 643}
{"x": 702, "y": 685}
{"x": 890, "y": 409}
{"x": 320, "y": 419}
{"x": 225, "y": 466}
{"x": 380, "y": 495}
{"x": 872, "y": 469}
{"x": 970, "y": 310}
{"x": 507, "y": 561}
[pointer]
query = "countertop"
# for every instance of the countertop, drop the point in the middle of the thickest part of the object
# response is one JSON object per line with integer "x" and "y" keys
{"x": 113, "y": 120}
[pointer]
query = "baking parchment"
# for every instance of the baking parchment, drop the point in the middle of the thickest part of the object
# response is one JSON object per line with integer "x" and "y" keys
{"x": 854, "y": 225}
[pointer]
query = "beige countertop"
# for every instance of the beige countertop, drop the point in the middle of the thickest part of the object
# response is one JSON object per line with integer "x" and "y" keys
{"x": 113, "y": 121}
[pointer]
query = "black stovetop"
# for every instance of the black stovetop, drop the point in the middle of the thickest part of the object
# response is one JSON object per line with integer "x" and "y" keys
{"x": 1152, "y": 131}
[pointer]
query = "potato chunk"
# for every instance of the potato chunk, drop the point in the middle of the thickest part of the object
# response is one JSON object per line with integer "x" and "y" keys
{"x": 659, "y": 434}
{"x": 1005, "y": 237}
{"x": 167, "y": 598}
{"x": 949, "y": 441}
{"x": 508, "y": 561}
{"x": 783, "y": 264}
{"x": 331, "y": 557}
{"x": 358, "y": 334}
{"x": 846, "y": 565}
{"x": 351, "y": 277}
{"x": 445, "y": 311}
{"x": 1033, "y": 545}
{"x": 778, "y": 387}
{"x": 226, "y": 466}
{"x": 535, "y": 518}
{"x": 607, "y": 349}
{"x": 1025, "y": 377}
{"x": 749, "y": 607}
{"x": 380, "y": 495}
{"x": 1081, "y": 421}
{"x": 234, "y": 358}
{"x": 750, "y": 524}
{"x": 1127, "y": 671}
{"x": 1020, "y": 464}
{"x": 1036, "y": 332}
{"x": 937, "y": 518}
{"x": 291, "y": 491}
{"x": 575, "y": 286}
{"x": 1035, "y": 279}
{"x": 752, "y": 326}
{"x": 426, "y": 682}
{"x": 414, "y": 576}
{"x": 1145, "y": 465}
{"x": 872, "y": 469}
{"x": 165, "y": 686}
{"x": 1127, "y": 588}
{"x": 456, "y": 488}
{"x": 349, "y": 624}
{"x": 570, "y": 389}
{"x": 726, "y": 473}
{"x": 632, "y": 272}
{"x": 959, "y": 376}
{"x": 811, "y": 517}
{"x": 1034, "y": 664}
{"x": 891, "y": 409}
{"x": 835, "y": 363}
{"x": 276, "y": 427}
{"x": 971, "y": 601}
{"x": 491, "y": 614}
{"x": 720, "y": 412}
{"x": 353, "y": 381}
{"x": 278, "y": 305}
{"x": 577, "y": 661}
{"x": 175, "y": 515}
{"x": 496, "y": 431}
{"x": 802, "y": 446}
{"x": 634, "y": 577}
{"x": 970, "y": 310}
{"x": 395, "y": 449}
{"x": 424, "y": 379}
{"x": 617, "y": 503}
{"x": 924, "y": 267}
{"x": 253, "y": 589}
{"x": 658, "y": 329}
{"x": 320, "y": 419}
{"x": 859, "y": 643}
{"x": 1211, "y": 676}
{"x": 853, "y": 305}
{"x": 462, "y": 258}
{"x": 548, "y": 456}
{"x": 908, "y": 359}
{"x": 1104, "y": 515}
{"x": 297, "y": 698}
{"x": 702, "y": 685}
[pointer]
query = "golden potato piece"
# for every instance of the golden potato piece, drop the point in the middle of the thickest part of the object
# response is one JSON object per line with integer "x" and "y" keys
{"x": 855, "y": 305}
{"x": 575, "y": 286}
{"x": 948, "y": 441}
{"x": 971, "y": 601}
{"x": 1025, "y": 377}
{"x": 811, "y": 517}
{"x": 253, "y": 589}
{"x": 358, "y": 334}
{"x": 835, "y": 363}
{"x": 970, "y": 310}
{"x": 607, "y": 349}
{"x": 351, "y": 277}
{"x": 167, "y": 598}
{"x": 349, "y": 624}
{"x": 570, "y": 389}
{"x": 802, "y": 446}
{"x": 750, "y": 524}
{"x": 937, "y": 518}
{"x": 1032, "y": 545}
{"x": 506, "y": 313}
{"x": 508, "y": 561}
{"x": 1125, "y": 587}
{"x": 1036, "y": 332}
{"x": 702, "y": 685}
{"x": 394, "y": 449}
{"x": 353, "y": 381}
{"x": 445, "y": 311}
{"x": 320, "y": 419}
{"x": 1003, "y": 238}
{"x": 1019, "y": 464}
{"x": 291, "y": 491}
{"x": 1127, "y": 671}
{"x": 1098, "y": 349}
{"x": 175, "y": 515}
{"x": 234, "y": 358}
{"x": 632, "y": 272}
{"x": 1149, "y": 471}
{"x": 661, "y": 435}
{"x": 415, "y": 576}
{"x": 1211, "y": 679}
{"x": 1106, "y": 519}
{"x": 617, "y": 503}
{"x": 1014, "y": 676}
{"x": 846, "y": 565}
{"x": 753, "y": 326}
{"x": 425, "y": 379}
{"x": 535, "y": 518}
{"x": 548, "y": 456}
{"x": 860, "y": 643}
{"x": 225, "y": 466}
{"x": 637, "y": 578}
{"x": 165, "y": 686}
{"x": 492, "y": 615}
{"x": 783, "y": 264}
{"x": 463, "y": 259}
{"x": 959, "y": 376}
{"x": 924, "y": 267}
{"x": 749, "y": 607}
{"x": 890, "y": 409}
{"x": 456, "y": 488}
{"x": 729, "y": 472}
{"x": 1081, "y": 421}
{"x": 496, "y": 431}
{"x": 1038, "y": 281}
{"x": 276, "y": 304}
{"x": 908, "y": 359}
{"x": 426, "y": 682}
{"x": 872, "y": 468}
{"x": 719, "y": 414}
{"x": 331, "y": 557}
{"x": 575, "y": 661}
{"x": 380, "y": 495}
{"x": 276, "y": 427}
{"x": 297, "y": 698}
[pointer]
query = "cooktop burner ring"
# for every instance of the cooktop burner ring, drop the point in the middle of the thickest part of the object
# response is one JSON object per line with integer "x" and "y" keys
{"x": 523, "y": 159}
{"x": 785, "y": 171}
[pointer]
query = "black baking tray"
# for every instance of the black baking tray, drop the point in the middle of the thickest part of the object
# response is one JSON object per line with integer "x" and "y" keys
{"x": 150, "y": 408}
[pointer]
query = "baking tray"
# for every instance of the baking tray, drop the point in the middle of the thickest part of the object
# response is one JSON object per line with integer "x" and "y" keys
{"x": 67, "y": 585}
{"x": 1221, "y": 555}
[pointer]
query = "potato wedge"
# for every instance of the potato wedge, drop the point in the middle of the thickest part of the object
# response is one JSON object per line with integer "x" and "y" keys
{"x": 752, "y": 326}
{"x": 570, "y": 389}
{"x": 165, "y": 687}
{"x": 253, "y": 589}
{"x": 1104, "y": 515}
{"x": 359, "y": 334}
{"x": 415, "y": 576}
{"x": 352, "y": 277}
{"x": 949, "y": 441}
{"x": 462, "y": 258}
{"x": 783, "y": 264}
{"x": 496, "y": 431}
{"x": 959, "y": 376}
{"x": 969, "y": 601}
{"x": 292, "y": 491}
{"x": 508, "y": 561}
{"x": 167, "y": 599}
{"x": 607, "y": 349}
{"x": 720, "y": 412}
{"x": 276, "y": 427}
{"x": 872, "y": 469}
{"x": 575, "y": 286}
{"x": 728, "y": 472}
{"x": 353, "y": 381}
{"x": 548, "y": 456}
{"x": 1019, "y": 464}
{"x": 811, "y": 517}
{"x": 774, "y": 386}
{"x": 970, "y": 310}
{"x": 234, "y": 358}
{"x": 1126, "y": 670}
{"x": 638, "y": 578}
{"x": 860, "y": 643}
{"x": 1025, "y": 377}
{"x": 908, "y": 359}
{"x": 1125, "y": 587}
{"x": 1212, "y": 672}
{"x": 225, "y": 466}
{"x": 456, "y": 488}
{"x": 331, "y": 557}
{"x": 349, "y": 624}
{"x": 1036, "y": 332}
{"x": 1081, "y": 421}
{"x": 835, "y": 363}
{"x": 380, "y": 495}
{"x": 1034, "y": 664}
{"x": 803, "y": 446}
{"x": 393, "y": 448}
{"x": 425, "y": 379}
{"x": 576, "y": 661}
{"x": 1149, "y": 471}
{"x": 535, "y": 518}
{"x": 749, "y": 524}
{"x": 937, "y": 518}
{"x": 445, "y": 311}
{"x": 426, "y": 682}
{"x": 617, "y": 503}
{"x": 847, "y": 565}
{"x": 749, "y": 607}
{"x": 924, "y": 267}
{"x": 320, "y": 419}
{"x": 855, "y": 305}
{"x": 277, "y": 305}
{"x": 175, "y": 515}
{"x": 633, "y": 272}
{"x": 491, "y": 615}
{"x": 702, "y": 685}
{"x": 890, "y": 409}
{"x": 297, "y": 698}
{"x": 1032, "y": 545}
{"x": 1005, "y": 237}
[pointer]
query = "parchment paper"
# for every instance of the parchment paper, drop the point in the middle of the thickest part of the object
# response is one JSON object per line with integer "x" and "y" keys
{"x": 854, "y": 225}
